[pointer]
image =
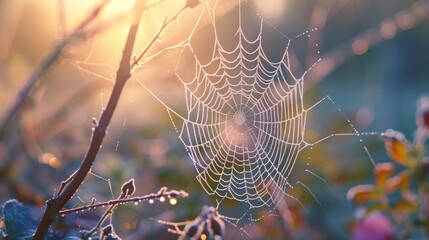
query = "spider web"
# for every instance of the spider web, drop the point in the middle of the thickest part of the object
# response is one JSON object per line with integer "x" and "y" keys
{"x": 245, "y": 117}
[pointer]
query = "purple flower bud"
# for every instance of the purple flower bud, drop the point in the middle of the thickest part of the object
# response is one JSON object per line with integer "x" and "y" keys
{"x": 375, "y": 226}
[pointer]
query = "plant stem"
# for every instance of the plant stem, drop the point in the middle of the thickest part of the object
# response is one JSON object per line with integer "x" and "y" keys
{"x": 153, "y": 196}
{"x": 164, "y": 25}
{"x": 103, "y": 218}
{"x": 53, "y": 206}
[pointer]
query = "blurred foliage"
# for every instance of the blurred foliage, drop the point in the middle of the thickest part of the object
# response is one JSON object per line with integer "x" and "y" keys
{"x": 19, "y": 221}
{"x": 47, "y": 140}
{"x": 402, "y": 195}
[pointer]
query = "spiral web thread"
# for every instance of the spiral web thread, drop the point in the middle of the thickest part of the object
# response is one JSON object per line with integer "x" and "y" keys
{"x": 245, "y": 120}
{"x": 245, "y": 116}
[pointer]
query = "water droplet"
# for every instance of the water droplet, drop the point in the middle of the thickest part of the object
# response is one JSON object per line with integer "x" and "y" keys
{"x": 151, "y": 201}
{"x": 136, "y": 203}
{"x": 173, "y": 201}
{"x": 162, "y": 199}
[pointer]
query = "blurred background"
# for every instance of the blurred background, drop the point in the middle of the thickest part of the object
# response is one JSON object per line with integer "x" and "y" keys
{"x": 374, "y": 65}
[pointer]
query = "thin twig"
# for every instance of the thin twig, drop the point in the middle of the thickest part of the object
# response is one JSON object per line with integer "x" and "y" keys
{"x": 127, "y": 190}
{"x": 54, "y": 206}
{"x": 164, "y": 25}
{"x": 167, "y": 194}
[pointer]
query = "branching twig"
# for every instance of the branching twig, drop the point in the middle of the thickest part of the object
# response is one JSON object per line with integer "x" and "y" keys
{"x": 208, "y": 225}
{"x": 164, "y": 24}
{"x": 69, "y": 188}
{"x": 128, "y": 189}
{"x": 53, "y": 206}
{"x": 166, "y": 194}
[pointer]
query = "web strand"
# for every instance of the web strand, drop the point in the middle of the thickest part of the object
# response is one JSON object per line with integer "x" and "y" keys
{"x": 245, "y": 118}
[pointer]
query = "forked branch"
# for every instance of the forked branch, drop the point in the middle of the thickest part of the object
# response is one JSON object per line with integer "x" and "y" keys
{"x": 53, "y": 206}
{"x": 71, "y": 185}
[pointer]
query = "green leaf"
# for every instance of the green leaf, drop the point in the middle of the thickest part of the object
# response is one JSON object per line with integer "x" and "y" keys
{"x": 20, "y": 220}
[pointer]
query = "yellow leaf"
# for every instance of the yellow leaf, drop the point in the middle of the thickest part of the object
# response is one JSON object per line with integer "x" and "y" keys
{"x": 363, "y": 193}
{"x": 400, "y": 181}
{"x": 382, "y": 172}
{"x": 406, "y": 206}
{"x": 397, "y": 146}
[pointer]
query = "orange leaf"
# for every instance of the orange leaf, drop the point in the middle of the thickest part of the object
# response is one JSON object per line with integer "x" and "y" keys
{"x": 397, "y": 146}
{"x": 406, "y": 206}
{"x": 382, "y": 172}
{"x": 400, "y": 181}
{"x": 363, "y": 193}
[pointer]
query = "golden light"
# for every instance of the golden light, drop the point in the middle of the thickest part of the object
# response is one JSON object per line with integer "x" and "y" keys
{"x": 173, "y": 201}
{"x": 233, "y": 135}
{"x": 49, "y": 159}
{"x": 54, "y": 162}
{"x": 203, "y": 237}
{"x": 388, "y": 30}
{"x": 360, "y": 46}
{"x": 406, "y": 21}
{"x": 130, "y": 225}
{"x": 115, "y": 19}
{"x": 270, "y": 9}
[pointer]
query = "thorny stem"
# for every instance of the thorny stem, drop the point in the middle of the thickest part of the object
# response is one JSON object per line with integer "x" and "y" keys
{"x": 53, "y": 206}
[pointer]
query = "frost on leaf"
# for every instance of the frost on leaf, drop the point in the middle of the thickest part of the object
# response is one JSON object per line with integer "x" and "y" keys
{"x": 20, "y": 221}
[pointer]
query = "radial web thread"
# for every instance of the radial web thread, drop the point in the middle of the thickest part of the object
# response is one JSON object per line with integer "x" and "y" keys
{"x": 245, "y": 116}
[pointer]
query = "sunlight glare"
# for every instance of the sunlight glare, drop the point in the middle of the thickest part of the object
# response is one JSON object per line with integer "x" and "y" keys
{"x": 270, "y": 9}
